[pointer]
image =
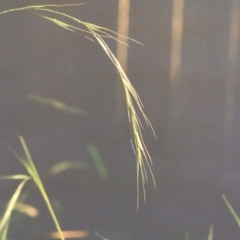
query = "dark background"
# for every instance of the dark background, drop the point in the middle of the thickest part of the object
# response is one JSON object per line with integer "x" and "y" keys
{"x": 196, "y": 158}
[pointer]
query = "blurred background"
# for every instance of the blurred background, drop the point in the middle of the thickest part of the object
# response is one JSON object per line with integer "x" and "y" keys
{"x": 60, "y": 91}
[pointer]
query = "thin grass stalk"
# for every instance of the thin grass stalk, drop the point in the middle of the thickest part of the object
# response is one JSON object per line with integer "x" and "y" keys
{"x": 231, "y": 209}
{"x": 142, "y": 155}
{"x": 3, "y": 234}
{"x": 211, "y": 231}
{"x": 35, "y": 176}
{"x": 11, "y": 204}
{"x": 187, "y": 235}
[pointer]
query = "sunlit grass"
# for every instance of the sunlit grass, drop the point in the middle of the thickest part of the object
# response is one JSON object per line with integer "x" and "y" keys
{"x": 98, "y": 33}
{"x": 103, "y": 238}
{"x": 211, "y": 232}
{"x": 4, "y": 232}
{"x": 33, "y": 174}
{"x": 231, "y": 209}
{"x": 67, "y": 165}
{"x": 209, "y": 237}
{"x": 54, "y": 103}
{"x": 5, "y": 219}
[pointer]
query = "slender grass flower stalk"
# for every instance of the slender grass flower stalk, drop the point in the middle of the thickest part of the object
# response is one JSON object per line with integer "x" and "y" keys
{"x": 98, "y": 33}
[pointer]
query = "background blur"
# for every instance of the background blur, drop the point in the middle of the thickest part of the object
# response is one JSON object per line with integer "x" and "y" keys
{"x": 187, "y": 75}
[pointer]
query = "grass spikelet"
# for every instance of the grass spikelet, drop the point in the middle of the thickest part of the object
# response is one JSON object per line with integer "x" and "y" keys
{"x": 98, "y": 33}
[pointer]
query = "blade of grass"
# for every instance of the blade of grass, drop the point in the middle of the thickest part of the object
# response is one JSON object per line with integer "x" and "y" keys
{"x": 14, "y": 177}
{"x": 211, "y": 231}
{"x": 237, "y": 219}
{"x": 11, "y": 204}
{"x": 30, "y": 167}
{"x": 3, "y": 234}
{"x": 63, "y": 166}
{"x": 56, "y": 104}
{"x": 102, "y": 171}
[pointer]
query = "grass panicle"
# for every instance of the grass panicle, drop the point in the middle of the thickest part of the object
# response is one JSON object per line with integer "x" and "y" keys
{"x": 98, "y": 33}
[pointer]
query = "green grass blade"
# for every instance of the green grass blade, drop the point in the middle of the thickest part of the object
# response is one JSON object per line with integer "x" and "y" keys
{"x": 63, "y": 166}
{"x": 96, "y": 233}
{"x": 23, "y": 161}
{"x": 237, "y": 219}
{"x": 11, "y": 204}
{"x": 102, "y": 171}
{"x": 3, "y": 234}
{"x": 211, "y": 232}
{"x": 56, "y": 104}
{"x": 187, "y": 235}
{"x": 35, "y": 176}
{"x": 14, "y": 177}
